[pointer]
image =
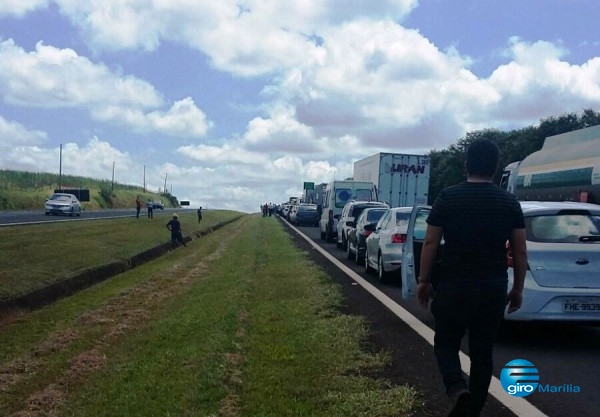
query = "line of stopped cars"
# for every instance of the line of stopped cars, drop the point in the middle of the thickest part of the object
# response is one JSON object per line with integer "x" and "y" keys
{"x": 562, "y": 282}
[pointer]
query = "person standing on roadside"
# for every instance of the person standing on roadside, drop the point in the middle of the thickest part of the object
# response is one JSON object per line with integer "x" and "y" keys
{"x": 138, "y": 206}
{"x": 175, "y": 228}
{"x": 475, "y": 218}
{"x": 150, "y": 208}
{"x": 199, "y": 214}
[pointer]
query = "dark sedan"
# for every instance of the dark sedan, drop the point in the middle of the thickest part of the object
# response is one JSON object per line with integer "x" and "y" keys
{"x": 307, "y": 214}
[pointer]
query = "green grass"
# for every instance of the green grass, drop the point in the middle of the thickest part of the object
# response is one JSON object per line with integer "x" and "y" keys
{"x": 34, "y": 256}
{"x": 238, "y": 323}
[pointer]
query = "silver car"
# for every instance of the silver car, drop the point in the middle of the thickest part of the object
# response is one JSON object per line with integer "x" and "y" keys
{"x": 563, "y": 250}
{"x": 62, "y": 203}
{"x": 383, "y": 251}
{"x": 357, "y": 234}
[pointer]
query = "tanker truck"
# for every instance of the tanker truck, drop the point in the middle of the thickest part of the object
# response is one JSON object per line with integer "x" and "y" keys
{"x": 567, "y": 168}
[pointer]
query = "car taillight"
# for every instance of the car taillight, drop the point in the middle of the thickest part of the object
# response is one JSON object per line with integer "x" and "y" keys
{"x": 509, "y": 258}
{"x": 398, "y": 238}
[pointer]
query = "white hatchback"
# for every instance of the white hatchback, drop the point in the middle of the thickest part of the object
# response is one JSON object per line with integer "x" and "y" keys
{"x": 563, "y": 250}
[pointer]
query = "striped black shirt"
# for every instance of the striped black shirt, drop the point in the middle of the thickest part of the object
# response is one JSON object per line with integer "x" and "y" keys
{"x": 477, "y": 219}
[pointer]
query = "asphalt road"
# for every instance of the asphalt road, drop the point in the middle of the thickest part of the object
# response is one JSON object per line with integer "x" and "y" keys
{"x": 16, "y": 217}
{"x": 562, "y": 353}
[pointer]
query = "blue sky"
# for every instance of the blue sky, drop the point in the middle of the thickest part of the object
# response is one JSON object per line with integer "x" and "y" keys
{"x": 238, "y": 103}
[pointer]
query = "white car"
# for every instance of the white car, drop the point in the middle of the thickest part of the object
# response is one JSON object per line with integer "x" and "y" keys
{"x": 384, "y": 245}
{"x": 562, "y": 282}
{"x": 62, "y": 203}
{"x": 563, "y": 250}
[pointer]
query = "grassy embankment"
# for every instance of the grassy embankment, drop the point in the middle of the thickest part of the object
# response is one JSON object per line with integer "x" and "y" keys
{"x": 29, "y": 190}
{"x": 31, "y": 257}
{"x": 238, "y": 323}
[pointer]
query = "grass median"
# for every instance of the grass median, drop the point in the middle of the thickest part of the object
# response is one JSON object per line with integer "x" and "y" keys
{"x": 238, "y": 323}
{"x": 34, "y": 256}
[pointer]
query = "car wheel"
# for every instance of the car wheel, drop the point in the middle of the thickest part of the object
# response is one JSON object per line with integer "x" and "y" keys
{"x": 71, "y": 212}
{"x": 349, "y": 253}
{"x": 328, "y": 235}
{"x": 381, "y": 274}
{"x": 322, "y": 235}
{"x": 357, "y": 257}
{"x": 368, "y": 269}
{"x": 47, "y": 213}
{"x": 344, "y": 242}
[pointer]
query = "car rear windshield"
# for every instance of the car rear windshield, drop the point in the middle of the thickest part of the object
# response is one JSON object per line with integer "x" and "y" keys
{"x": 563, "y": 228}
{"x": 402, "y": 218}
{"x": 356, "y": 210}
{"x": 60, "y": 197}
{"x": 307, "y": 208}
{"x": 375, "y": 215}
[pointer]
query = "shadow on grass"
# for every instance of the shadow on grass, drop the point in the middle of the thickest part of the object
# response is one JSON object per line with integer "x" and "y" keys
{"x": 67, "y": 287}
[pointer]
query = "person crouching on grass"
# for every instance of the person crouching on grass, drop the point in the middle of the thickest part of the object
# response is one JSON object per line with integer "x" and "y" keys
{"x": 175, "y": 228}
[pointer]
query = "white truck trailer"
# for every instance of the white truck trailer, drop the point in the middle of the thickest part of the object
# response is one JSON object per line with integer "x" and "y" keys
{"x": 401, "y": 180}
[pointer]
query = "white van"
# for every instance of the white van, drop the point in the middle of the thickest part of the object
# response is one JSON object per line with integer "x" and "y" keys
{"x": 337, "y": 194}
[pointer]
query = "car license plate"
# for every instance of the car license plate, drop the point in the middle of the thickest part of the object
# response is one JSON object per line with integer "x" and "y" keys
{"x": 581, "y": 306}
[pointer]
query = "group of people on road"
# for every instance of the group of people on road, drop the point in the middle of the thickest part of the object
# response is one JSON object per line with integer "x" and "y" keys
{"x": 267, "y": 209}
{"x": 149, "y": 207}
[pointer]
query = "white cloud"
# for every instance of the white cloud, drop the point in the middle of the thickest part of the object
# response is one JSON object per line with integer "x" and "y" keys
{"x": 225, "y": 154}
{"x": 225, "y": 30}
{"x": 537, "y": 81}
{"x": 94, "y": 160}
{"x": 50, "y": 77}
{"x": 15, "y": 134}
{"x": 20, "y": 7}
{"x": 53, "y": 77}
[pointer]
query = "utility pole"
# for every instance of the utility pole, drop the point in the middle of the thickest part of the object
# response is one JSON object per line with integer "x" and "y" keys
{"x": 60, "y": 168}
{"x": 165, "y": 187}
{"x": 144, "y": 177}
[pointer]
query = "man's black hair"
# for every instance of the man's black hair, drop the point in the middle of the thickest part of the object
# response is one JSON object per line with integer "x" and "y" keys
{"x": 482, "y": 158}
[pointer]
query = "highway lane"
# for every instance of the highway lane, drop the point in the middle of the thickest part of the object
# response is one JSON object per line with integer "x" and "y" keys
{"x": 562, "y": 353}
{"x": 23, "y": 217}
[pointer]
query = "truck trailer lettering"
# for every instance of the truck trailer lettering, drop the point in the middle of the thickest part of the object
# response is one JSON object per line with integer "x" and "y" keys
{"x": 408, "y": 169}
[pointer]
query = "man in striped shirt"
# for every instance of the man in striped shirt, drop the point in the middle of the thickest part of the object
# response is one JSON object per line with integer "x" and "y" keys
{"x": 475, "y": 218}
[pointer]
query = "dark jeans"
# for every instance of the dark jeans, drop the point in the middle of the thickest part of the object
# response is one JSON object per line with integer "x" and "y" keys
{"x": 177, "y": 238}
{"x": 476, "y": 305}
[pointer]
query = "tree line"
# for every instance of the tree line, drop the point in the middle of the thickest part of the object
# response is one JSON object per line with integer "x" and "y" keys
{"x": 447, "y": 165}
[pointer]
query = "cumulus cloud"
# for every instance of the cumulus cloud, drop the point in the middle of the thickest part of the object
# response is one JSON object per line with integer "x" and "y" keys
{"x": 342, "y": 80}
{"x": 538, "y": 81}
{"x": 50, "y": 77}
{"x": 224, "y": 30}
{"x": 226, "y": 153}
{"x": 15, "y": 134}
{"x": 95, "y": 159}
{"x": 20, "y": 7}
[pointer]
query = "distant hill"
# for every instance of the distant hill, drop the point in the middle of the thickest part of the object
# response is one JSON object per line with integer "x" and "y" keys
{"x": 21, "y": 190}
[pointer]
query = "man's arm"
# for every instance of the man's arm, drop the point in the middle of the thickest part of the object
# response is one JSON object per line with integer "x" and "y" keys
{"x": 518, "y": 247}
{"x": 433, "y": 237}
